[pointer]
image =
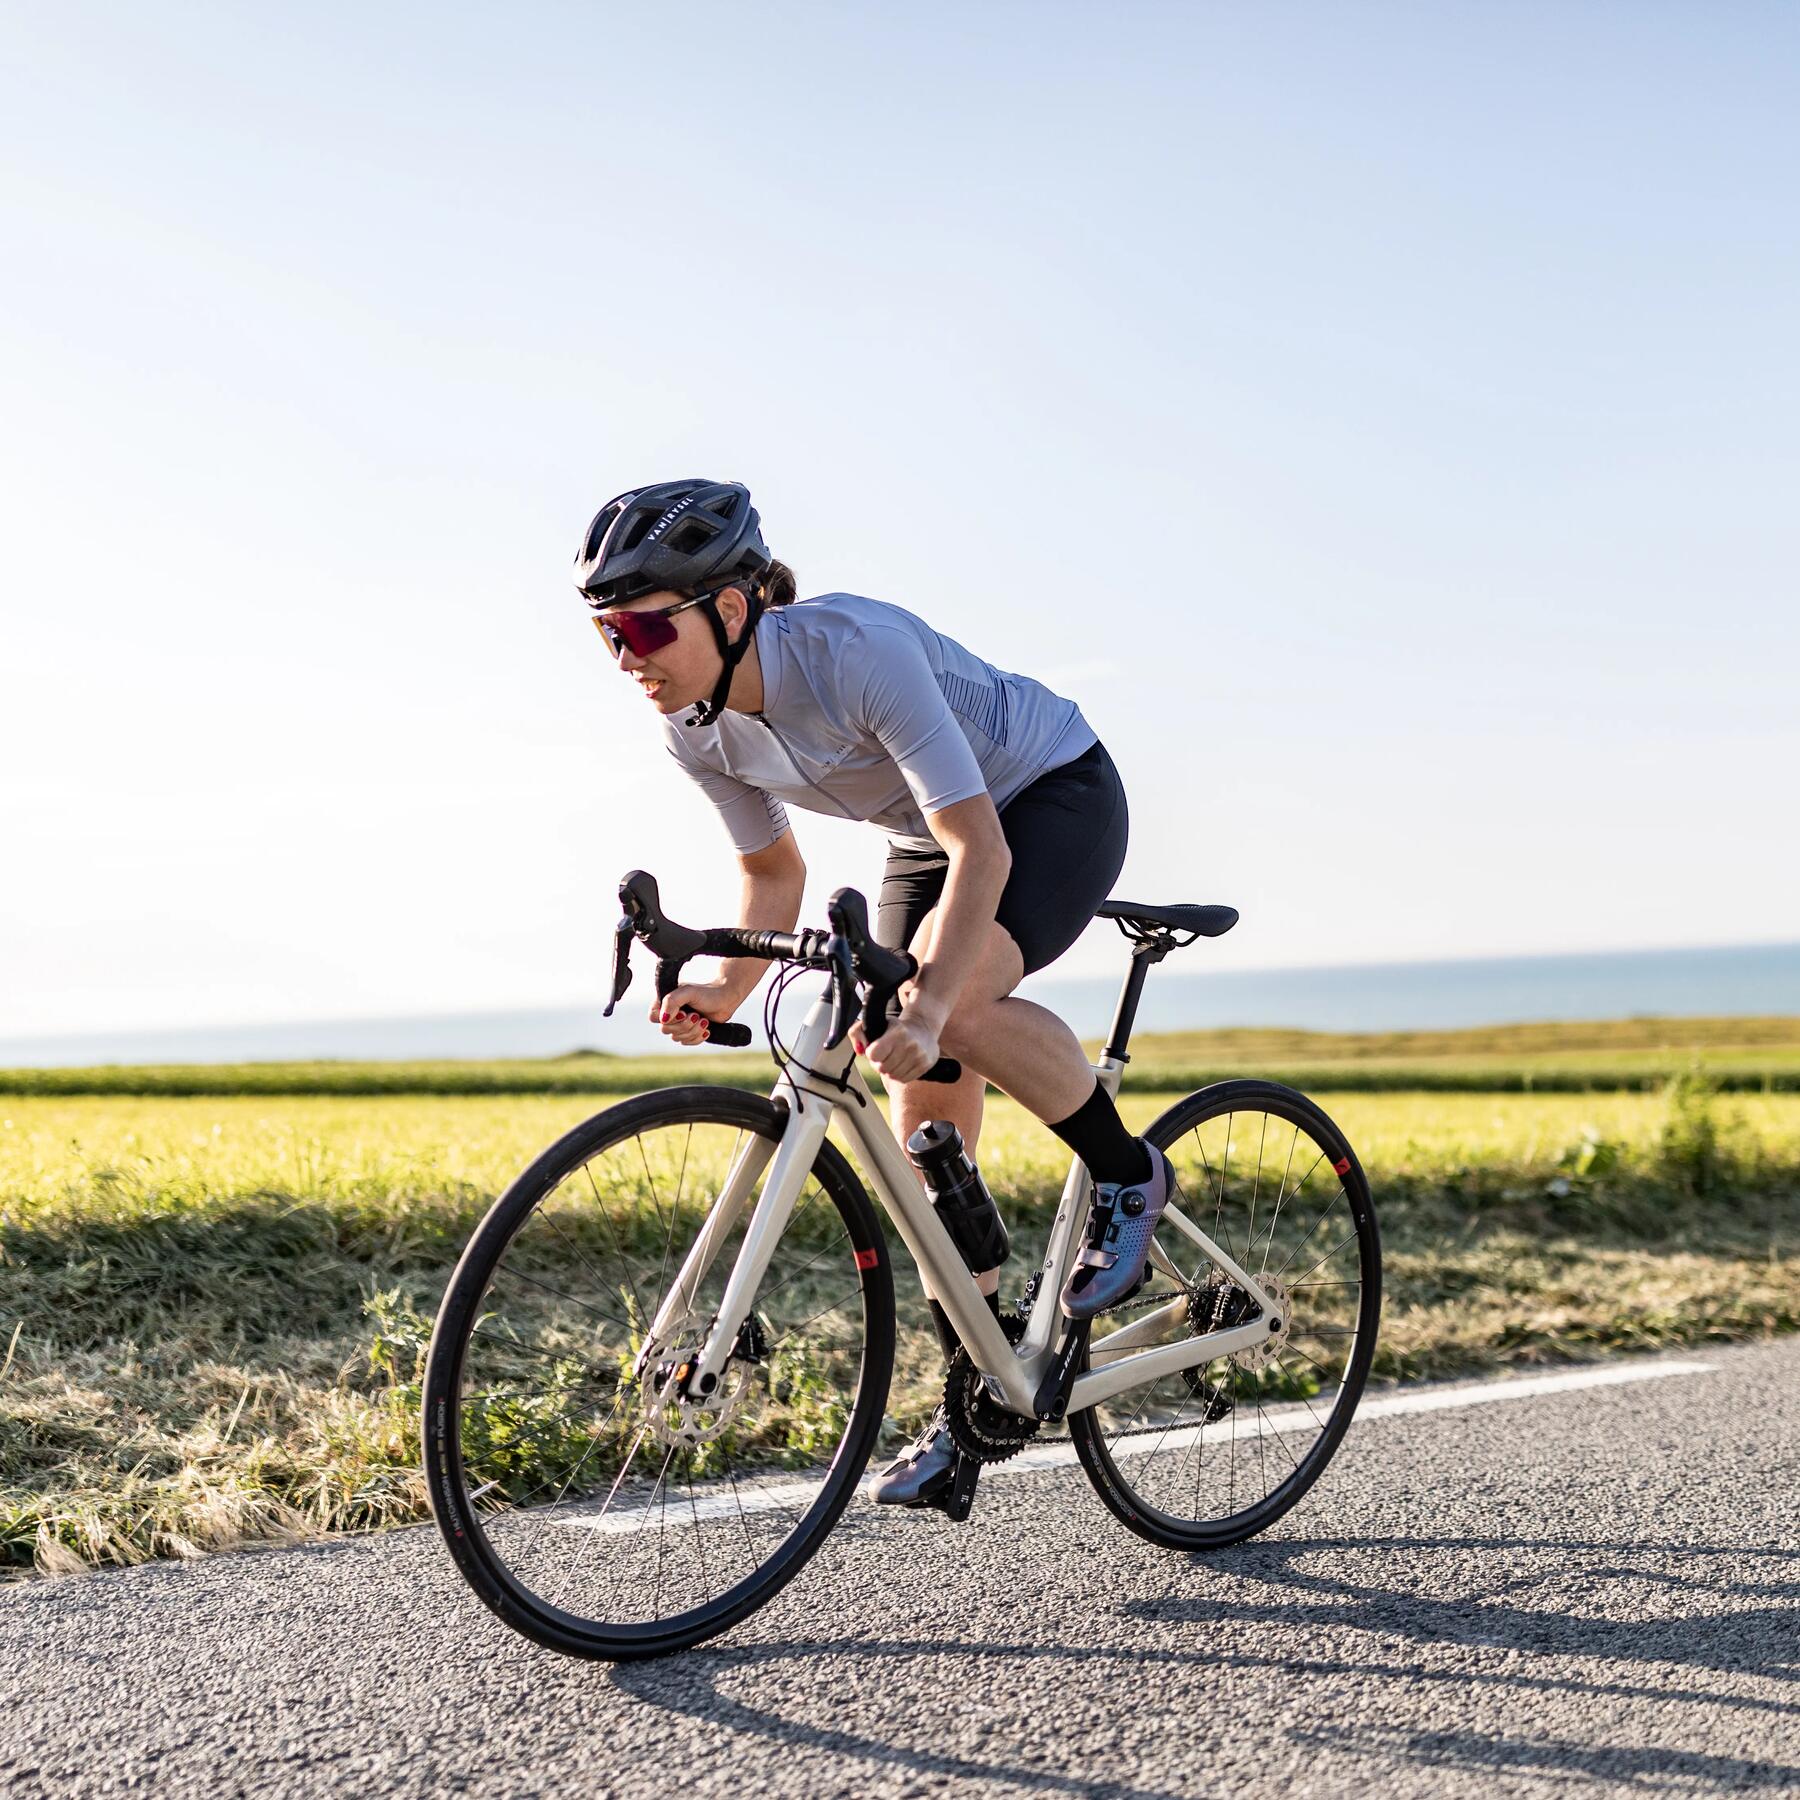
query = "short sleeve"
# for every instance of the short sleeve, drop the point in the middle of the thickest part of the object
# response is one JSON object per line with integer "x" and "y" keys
{"x": 755, "y": 819}
{"x": 903, "y": 706}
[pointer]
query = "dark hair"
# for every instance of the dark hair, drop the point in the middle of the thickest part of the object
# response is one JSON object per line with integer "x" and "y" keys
{"x": 778, "y": 588}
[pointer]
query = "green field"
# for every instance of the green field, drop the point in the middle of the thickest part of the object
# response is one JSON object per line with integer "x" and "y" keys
{"x": 211, "y": 1308}
{"x": 1737, "y": 1054}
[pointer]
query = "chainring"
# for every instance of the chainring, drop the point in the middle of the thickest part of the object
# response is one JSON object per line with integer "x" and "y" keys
{"x": 980, "y": 1426}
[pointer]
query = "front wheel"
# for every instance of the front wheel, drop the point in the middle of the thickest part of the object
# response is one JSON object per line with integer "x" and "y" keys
{"x": 587, "y": 1497}
{"x": 1218, "y": 1452}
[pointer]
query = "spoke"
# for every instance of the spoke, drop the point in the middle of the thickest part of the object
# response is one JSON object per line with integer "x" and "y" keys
{"x": 1224, "y": 1167}
{"x": 1329, "y": 1254}
{"x": 524, "y": 1349}
{"x": 1320, "y": 1220}
{"x": 662, "y": 1531}
{"x": 587, "y": 1549}
{"x": 699, "y": 1535}
{"x": 650, "y": 1182}
{"x": 662, "y": 1274}
{"x": 1123, "y": 1430}
{"x": 823, "y": 1310}
{"x": 743, "y": 1519}
{"x": 1234, "y": 1412}
{"x": 520, "y": 1275}
{"x": 1170, "y": 1426}
{"x": 618, "y": 1249}
{"x": 543, "y": 1212}
{"x": 1304, "y": 1401}
{"x": 1262, "y": 1461}
{"x": 769, "y": 1294}
{"x": 549, "y": 1512}
{"x": 1329, "y": 1374}
{"x": 1280, "y": 1198}
{"x": 1255, "y": 1188}
{"x": 1294, "y": 1194}
{"x": 1281, "y": 1438}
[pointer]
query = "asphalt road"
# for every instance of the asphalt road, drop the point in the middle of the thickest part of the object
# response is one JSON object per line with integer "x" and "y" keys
{"x": 1580, "y": 1592}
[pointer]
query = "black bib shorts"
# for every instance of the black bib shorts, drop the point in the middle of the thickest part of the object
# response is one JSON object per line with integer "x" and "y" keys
{"x": 1067, "y": 836}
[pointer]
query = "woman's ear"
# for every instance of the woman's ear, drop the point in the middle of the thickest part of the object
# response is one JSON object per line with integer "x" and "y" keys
{"x": 734, "y": 609}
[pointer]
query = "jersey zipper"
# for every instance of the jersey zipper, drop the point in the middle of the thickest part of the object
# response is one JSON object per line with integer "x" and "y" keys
{"x": 806, "y": 781}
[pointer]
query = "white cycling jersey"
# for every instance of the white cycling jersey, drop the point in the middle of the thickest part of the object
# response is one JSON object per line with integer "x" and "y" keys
{"x": 870, "y": 714}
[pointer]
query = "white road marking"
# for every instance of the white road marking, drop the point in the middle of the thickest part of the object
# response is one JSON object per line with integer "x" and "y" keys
{"x": 796, "y": 1496}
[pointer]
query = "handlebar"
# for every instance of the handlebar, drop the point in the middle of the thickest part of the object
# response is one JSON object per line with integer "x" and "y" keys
{"x": 864, "y": 974}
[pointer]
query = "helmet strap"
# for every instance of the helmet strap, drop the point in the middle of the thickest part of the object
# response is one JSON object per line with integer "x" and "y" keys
{"x": 706, "y": 712}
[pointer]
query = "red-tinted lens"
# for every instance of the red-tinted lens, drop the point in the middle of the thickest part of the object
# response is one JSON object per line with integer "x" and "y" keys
{"x": 642, "y": 633}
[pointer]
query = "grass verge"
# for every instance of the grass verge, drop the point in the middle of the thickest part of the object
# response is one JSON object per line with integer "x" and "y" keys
{"x": 212, "y": 1312}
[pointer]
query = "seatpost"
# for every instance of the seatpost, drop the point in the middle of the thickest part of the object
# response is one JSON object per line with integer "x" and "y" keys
{"x": 1146, "y": 952}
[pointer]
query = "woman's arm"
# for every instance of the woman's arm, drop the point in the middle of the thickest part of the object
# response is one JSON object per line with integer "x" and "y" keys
{"x": 979, "y": 865}
{"x": 774, "y": 880}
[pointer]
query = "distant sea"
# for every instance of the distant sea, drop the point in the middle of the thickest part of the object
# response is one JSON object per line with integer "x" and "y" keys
{"x": 1758, "y": 979}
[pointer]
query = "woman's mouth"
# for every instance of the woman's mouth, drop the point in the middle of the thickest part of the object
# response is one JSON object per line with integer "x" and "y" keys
{"x": 651, "y": 688}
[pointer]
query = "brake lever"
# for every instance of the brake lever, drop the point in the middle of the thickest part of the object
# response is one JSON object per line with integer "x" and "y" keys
{"x": 622, "y": 936}
{"x": 843, "y": 991}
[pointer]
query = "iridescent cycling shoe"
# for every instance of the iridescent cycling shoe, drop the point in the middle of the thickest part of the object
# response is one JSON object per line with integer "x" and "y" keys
{"x": 1116, "y": 1250}
{"x": 922, "y": 1471}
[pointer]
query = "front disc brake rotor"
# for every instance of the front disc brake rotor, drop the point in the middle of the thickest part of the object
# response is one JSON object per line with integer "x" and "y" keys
{"x": 685, "y": 1419}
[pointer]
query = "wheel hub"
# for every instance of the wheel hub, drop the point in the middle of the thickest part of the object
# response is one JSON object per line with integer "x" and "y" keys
{"x": 672, "y": 1413}
{"x": 1259, "y": 1356}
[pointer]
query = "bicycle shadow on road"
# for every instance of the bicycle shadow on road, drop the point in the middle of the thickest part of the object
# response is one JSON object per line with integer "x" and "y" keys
{"x": 1761, "y": 1642}
{"x": 1757, "y": 1641}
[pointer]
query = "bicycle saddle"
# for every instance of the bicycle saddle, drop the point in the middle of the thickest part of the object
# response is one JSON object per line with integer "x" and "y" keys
{"x": 1206, "y": 921}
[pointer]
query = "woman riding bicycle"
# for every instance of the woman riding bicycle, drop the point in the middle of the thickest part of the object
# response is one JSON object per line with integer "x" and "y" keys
{"x": 1005, "y": 817}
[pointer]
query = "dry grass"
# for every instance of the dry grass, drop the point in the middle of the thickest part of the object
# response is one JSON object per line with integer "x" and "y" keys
{"x": 211, "y": 1309}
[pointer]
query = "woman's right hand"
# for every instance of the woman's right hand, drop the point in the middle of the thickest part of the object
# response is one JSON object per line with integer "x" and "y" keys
{"x": 713, "y": 1000}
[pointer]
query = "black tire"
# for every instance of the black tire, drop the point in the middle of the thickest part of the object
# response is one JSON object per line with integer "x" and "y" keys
{"x": 1118, "y": 1447}
{"x": 490, "y": 1408}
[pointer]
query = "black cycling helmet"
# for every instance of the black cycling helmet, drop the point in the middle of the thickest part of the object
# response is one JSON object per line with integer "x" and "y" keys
{"x": 683, "y": 535}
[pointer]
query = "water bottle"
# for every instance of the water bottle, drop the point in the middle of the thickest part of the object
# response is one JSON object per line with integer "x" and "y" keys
{"x": 959, "y": 1194}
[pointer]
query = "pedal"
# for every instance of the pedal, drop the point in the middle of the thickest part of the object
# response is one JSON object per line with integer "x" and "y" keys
{"x": 958, "y": 1495}
{"x": 1052, "y": 1398}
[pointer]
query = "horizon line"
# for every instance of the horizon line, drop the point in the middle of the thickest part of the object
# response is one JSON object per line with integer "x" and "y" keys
{"x": 573, "y": 1005}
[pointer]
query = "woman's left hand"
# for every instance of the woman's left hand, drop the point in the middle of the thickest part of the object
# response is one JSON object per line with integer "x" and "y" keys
{"x": 906, "y": 1049}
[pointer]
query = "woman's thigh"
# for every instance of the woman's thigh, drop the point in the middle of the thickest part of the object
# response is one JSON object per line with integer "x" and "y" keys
{"x": 1067, "y": 833}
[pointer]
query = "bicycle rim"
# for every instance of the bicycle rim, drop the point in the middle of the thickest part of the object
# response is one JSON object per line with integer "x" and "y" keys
{"x": 587, "y": 1508}
{"x": 1217, "y": 1453}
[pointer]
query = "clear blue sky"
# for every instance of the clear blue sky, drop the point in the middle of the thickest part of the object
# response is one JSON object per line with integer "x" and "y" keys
{"x": 1382, "y": 419}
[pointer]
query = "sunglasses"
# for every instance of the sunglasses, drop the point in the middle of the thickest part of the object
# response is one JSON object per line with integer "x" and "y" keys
{"x": 644, "y": 633}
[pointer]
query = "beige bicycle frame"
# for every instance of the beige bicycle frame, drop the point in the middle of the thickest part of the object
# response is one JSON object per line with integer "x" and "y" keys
{"x": 820, "y": 1086}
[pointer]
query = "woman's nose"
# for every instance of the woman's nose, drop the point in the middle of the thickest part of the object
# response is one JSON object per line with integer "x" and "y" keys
{"x": 629, "y": 659}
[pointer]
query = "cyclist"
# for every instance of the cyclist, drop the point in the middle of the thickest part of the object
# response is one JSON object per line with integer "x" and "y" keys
{"x": 1005, "y": 817}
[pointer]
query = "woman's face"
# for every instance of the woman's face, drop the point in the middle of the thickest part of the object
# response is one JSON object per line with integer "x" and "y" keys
{"x": 685, "y": 672}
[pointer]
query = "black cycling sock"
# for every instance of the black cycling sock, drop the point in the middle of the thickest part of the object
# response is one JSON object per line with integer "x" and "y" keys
{"x": 1098, "y": 1136}
{"x": 948, "y": 1341}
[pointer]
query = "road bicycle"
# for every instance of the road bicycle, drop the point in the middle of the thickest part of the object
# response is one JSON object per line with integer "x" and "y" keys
{"x": 665, "y": 1356}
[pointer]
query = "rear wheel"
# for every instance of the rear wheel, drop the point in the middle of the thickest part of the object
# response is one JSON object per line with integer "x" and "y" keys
{"x": 1218, "y": 1452}
{"x": 588, "y": 1500}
